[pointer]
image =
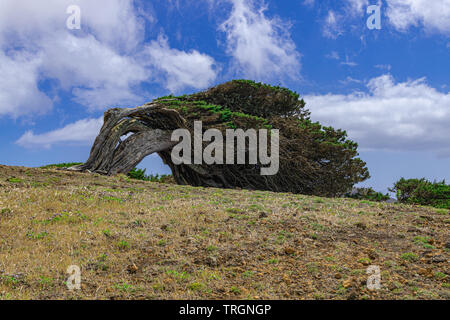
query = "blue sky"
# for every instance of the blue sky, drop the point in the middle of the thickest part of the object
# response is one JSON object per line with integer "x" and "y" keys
{"x": 389, "y": 88}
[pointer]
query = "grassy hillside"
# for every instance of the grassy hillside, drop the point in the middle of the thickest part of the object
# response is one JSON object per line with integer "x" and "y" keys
{"x": 144, "y": 240}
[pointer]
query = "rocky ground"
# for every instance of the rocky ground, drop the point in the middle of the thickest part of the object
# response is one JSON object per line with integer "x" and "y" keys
{"x": 143, "y": 240}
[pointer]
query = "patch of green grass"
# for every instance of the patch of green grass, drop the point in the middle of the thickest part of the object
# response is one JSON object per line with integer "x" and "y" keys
{"x": 124, "y": 287}
{"x": 46, "y": 282}
{"x": 5, "y": 211}
{"x": 443, "y": 211}
{"x": 358, "y": 272}
{"x": 312, "y": 267}
{"x": 196, "y": 286}
{"x": 15, "y": 180}
{"x": 38, "y": 236}
{"x": 423, "y": 241}
{"x": 110, "y": 198}
{"x": 440, "y": 275}
{"x": 235, "y": 290}
{"x": 61, "y": 165}
{"x": 122, "y": 244}
{"x": 180, "y": 276}
{"x": 365, "y": 261}
{"x": 409, "y": 256}
{"x": 211, "y": 248}
{"x": 9, "y": 280}
{"x": 314, "y": 236}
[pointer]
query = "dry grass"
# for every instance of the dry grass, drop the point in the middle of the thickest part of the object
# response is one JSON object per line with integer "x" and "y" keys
{"x": 142, "y": 240}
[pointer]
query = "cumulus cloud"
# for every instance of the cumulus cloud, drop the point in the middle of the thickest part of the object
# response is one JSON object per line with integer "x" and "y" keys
{"x": 395, "y": 116}
{"x": 434, "y": 15}
{"x": 192, "y": 69}
{"x": 261, "y": 47}
{"x": 82, "y": 132}
{"x": 97, "y": 75}
{"x": 19, "y": 93}
{"x": 99, "y": 64}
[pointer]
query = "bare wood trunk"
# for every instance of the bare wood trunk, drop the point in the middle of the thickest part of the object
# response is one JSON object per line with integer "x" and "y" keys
{"x": 110, "y": 155}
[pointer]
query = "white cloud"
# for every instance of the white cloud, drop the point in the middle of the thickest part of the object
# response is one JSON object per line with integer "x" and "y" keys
{"x": 99, "y": 64}
{"x": 81, "y": 132}
{"x": 309, "y": 3}
{"x": 333, "y": 55}
{"x": 348, "y": 63}
{"x": 97, "y": 74}
{"x": 191, "y": 69}
{"x": 261, "y": 47}
{"x": 19, "y": 93}
{"x": 332, "y": 26}
{"x": 392, "y": 116}
{"x": 358, "y": 7}
{"x": 387, "y": 67}
{"x": 434, "y": 15}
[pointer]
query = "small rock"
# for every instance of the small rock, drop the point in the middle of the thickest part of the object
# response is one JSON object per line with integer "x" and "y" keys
{"x": 263, "y": 215}
{"x": 373, "y": 255}
{"x": 352, "y": 295}
{"x": 289, "y": 250}
{"x": 361, "y": 225}
{"x": 439, "y": 259}
{"x": 211, "y": 261}
{"x": 132, "y": 268}
{"x": 447, "y": 245}
{"x": 338, "y": 276}
{"x": 347, "y": 283}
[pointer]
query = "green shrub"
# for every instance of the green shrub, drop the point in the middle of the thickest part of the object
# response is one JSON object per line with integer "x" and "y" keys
{"x": 367, "y": 194}
{"x": 254, "y": 98}
{"x": 61, "y": 165}
{"x": 139, "y": 174}
{"x": 423, "y": 192}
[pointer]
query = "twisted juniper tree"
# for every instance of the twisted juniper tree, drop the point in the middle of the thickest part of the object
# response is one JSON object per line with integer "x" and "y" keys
{"x": 313, "y": 159}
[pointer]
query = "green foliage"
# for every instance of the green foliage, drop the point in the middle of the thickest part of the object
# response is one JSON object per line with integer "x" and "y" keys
{"x": 314, "y": 159}
{"x": 367, "y": 194}
{"x": 254, "y": 98}
{"x": 139, "y": 174}
{"x": 409, "y": 256}
{"x": 61, "y": 165}
{"x": 423, "y": 192}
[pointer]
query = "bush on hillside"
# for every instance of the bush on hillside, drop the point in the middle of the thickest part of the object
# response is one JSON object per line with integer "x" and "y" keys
{"x": 423, "y": 192}
{"x": 139, "y": 174}
{"x": 367, "y": 194}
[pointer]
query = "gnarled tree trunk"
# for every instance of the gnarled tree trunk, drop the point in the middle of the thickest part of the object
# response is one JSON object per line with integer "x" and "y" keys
{"x": 110, "y": 155}
{"x": 147, "y": 129}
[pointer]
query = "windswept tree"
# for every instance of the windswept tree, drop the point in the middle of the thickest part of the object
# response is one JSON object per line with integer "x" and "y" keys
{"x": 314, "y": 159}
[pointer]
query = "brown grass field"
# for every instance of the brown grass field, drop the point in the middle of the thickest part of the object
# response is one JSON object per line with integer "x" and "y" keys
{"x": 144, "y": 240}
